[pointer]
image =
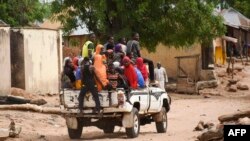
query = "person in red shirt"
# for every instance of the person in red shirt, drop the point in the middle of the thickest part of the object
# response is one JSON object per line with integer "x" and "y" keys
{"x": 142, "y": 67}
{"x": 129, "y": 72}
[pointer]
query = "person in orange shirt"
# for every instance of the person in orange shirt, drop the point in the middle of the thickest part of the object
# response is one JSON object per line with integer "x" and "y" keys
{"x": 100, "y": 69}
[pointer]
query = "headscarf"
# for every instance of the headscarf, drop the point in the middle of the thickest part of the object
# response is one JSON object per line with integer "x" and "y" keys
{"x": 75, "y": 62}
{"x": 100, "y": 68}
{"x": 80, "y": 62}
{"x": 142, "y": 67}
{"x": 69, "y": 70}
{"x": 118, "y": 48}
{"x": 98, "y": 49}
{"x": 78, "y": 70}
{"x": 130, "y": 73}
{"x": 116, "y": 64}
{"x": 65, "y": 59}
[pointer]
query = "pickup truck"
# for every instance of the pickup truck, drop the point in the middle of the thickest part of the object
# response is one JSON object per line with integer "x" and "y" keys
{"x": 141, "y": 107}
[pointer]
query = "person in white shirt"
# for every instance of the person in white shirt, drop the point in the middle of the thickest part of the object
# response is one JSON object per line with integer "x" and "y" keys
{"x": 161, "y": 76}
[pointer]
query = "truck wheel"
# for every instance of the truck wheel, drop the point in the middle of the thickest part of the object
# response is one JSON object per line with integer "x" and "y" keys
{"x": 109, "y": 129}
{"x": 75, "y": 133}
{"x": 134, "y": 131}
{"x": 161, "y": 126}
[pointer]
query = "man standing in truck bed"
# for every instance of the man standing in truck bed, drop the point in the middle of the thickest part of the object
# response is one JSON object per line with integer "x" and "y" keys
{"x": 133, "y": 52}
{"x": 89, "y": 47}
{"x": 88, "y": 85}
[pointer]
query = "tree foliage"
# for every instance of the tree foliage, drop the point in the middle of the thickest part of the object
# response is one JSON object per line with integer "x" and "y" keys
{"x": 22, "y": 12}
{"x": 242, "y": 6}
{"x": 171, "y": 22}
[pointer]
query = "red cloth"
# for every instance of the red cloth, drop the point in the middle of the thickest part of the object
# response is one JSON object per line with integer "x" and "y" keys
{"x": 129, "y": 72}
{"x": 142, "y": 67}
{"x": 75, "y": 62}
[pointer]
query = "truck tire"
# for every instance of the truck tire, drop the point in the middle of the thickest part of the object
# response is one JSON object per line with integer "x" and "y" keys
{"x": 161, "y": 126}
{"x": 75, "y": 133}
{"x": 109, "y": 129}
{"x": 134, "y": 131}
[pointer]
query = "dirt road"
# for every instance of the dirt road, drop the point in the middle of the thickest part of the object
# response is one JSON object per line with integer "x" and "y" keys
{"x": 186, "y": 112}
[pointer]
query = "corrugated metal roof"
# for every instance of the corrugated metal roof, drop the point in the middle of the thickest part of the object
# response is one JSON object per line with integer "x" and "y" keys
{"x": 235, "y": 19}
{"x": 2, "y": 23}
{"x": 80, "y": 30}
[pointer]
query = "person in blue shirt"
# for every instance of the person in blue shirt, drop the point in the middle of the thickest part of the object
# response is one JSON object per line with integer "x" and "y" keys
{"x": 140, "y": 79}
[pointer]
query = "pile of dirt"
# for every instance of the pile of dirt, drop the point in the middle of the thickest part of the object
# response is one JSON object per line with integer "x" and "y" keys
{"x": 216, "y": 133}
{"x": 233, "y": 82}
{"x": 22, "y": 93}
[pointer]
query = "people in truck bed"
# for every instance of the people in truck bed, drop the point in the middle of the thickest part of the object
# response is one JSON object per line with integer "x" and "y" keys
{"x": 109, "y": 57}
{"x": 68, "y": 70}
{"x": 140, "y": 79}
{"x": 130, "y": 73}
{"x": 118, "y": 53}
{"x": 109, "y": 44}
{"x": 78, "y": 74}
{"x": 89, "y": 47}
{"x": 100, "y": 69}
{"x": 75, "y": 62}
{"x": 142, "y": 67}
{"x": 122, "y": 41}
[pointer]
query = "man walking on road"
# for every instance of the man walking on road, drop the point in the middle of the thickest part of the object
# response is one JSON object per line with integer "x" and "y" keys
{"x": 161, "y": 76}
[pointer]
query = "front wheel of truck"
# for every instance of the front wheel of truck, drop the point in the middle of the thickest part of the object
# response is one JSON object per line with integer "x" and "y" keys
{"x": 161, "y": 126}
{"x": 134, "y": 131}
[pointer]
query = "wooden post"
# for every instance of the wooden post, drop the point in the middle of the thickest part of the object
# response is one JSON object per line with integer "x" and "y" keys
{"x": 240, "y": 46}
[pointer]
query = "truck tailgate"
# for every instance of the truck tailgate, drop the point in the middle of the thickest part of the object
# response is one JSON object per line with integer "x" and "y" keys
{"x": 70, "y": 99}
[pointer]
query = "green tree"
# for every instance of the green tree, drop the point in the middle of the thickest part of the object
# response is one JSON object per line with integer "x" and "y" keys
{"x": 242, "y": 6}
{"x": 22, "y": 12}
{"x": 171, "y": 22}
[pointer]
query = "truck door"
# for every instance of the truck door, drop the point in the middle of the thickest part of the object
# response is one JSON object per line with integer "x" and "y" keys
{"x": 155, "y": 101}
{"x": 142, "y": 97}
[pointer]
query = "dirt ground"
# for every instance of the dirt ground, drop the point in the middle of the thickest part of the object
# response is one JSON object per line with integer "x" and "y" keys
{"x": 186, "y": 111}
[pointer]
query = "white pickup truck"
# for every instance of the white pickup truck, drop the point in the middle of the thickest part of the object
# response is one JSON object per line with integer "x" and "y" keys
{"x": 144, "y": 106}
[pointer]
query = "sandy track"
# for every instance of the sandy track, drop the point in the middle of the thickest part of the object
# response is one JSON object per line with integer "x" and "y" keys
{"x": 184, "y": 115}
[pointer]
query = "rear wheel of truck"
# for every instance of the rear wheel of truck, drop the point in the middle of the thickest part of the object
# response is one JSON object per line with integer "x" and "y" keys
{"x": 109, "y": 129}
{"x": 75, "y": 133}
{"x": 161, "y": 126}
{"x": 134, "y": 131}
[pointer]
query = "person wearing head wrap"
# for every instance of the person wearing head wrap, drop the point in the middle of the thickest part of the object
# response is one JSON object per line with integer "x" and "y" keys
{"x": 100, "y": 69}
{"x": 118, "y": 55}
{"x": 142, "y": 67}
{"x": 78, "y": 74}
{"x": 130, "y": 73}
{"x": 68, "y": 70}
{"x": 75, "y": 63}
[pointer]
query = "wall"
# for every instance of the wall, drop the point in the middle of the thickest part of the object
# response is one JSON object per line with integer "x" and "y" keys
{"x": 5, "y": 76}
{"x": 167, "y": 55}
{"x": 42, "y": 57}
